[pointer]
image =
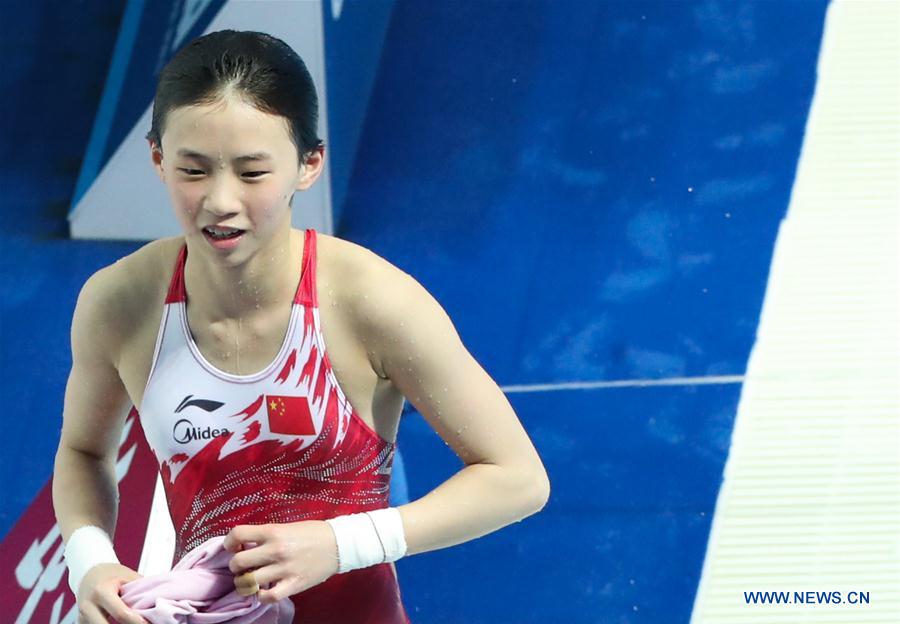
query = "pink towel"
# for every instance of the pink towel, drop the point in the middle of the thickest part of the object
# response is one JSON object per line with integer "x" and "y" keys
{"x": 200, "y": 590}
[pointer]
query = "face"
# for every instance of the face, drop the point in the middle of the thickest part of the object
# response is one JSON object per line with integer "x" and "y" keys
{"x": 230, "y": 165}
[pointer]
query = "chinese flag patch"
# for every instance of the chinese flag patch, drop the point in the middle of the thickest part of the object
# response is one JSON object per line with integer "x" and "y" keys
{"x": 289, "y": 415}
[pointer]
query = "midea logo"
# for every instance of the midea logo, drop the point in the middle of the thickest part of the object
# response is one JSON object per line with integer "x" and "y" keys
{"x": 184, "y": 431}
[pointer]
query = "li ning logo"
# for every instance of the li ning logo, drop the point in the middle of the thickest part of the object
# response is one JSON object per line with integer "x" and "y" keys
{"x": 184, "y": 430}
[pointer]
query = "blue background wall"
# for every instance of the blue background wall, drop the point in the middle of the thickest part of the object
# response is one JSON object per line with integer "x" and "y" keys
{"x": 592, "y": 191}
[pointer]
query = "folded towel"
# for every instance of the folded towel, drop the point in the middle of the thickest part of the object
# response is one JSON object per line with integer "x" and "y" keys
{"x": 200, "y": 590}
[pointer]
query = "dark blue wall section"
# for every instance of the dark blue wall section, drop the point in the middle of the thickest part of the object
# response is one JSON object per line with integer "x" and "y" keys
{"x": 612, "y": 162}
{"x": 353, "y": 42}
{"x": 56, "y": 55}
{"x": 592, "y": 191}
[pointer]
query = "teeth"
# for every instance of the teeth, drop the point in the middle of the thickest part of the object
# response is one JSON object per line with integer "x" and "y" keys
{"x": 222, "y": 232}
{"x": 216, "y": 230}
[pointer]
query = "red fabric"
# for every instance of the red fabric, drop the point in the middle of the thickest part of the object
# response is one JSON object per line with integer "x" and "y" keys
{"x": 258, "y": 480}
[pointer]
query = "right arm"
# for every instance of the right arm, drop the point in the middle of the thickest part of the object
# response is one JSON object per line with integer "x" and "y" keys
{"x": 85, "y": 487}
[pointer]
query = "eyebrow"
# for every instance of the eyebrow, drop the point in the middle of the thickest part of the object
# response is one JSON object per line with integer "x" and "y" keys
{"x": 255, "y": 156}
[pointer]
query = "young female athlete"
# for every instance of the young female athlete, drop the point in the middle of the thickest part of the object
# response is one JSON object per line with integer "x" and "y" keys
{"x": 218, "y": 337}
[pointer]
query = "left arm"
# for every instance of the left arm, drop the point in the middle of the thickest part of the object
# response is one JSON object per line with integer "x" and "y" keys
{"x": 417, "y": 347}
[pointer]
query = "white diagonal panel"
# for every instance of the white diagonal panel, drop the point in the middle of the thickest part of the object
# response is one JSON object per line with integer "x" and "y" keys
{"x": 811, "y": 492}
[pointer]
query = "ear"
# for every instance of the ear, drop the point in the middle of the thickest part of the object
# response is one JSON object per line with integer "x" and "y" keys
{"x": 156, "y": 158}
{"x": 312, "y": 169}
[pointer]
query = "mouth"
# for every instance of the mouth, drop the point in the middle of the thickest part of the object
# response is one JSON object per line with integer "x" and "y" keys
{"x": 222, "y": 237}
{"x": 217, "y": 233}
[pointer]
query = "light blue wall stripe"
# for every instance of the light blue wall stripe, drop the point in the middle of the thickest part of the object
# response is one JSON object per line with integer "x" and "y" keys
{"x": 90, "y": 166}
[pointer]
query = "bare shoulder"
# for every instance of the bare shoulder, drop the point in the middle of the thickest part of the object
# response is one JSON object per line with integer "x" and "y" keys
{"x": 387, "y": 306}
{"x": 116, "y": 299}
{"x": 359, "y": 268}
{"x": 134, "y": 278}
{"x": 371, "y": 286}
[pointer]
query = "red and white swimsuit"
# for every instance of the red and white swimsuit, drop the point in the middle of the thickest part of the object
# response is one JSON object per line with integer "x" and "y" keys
{"x": 281, "y": 445}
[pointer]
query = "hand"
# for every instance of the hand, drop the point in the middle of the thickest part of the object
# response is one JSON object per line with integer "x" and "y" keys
{"x": 291, "y": 557}
{"x": 98, "y": 595}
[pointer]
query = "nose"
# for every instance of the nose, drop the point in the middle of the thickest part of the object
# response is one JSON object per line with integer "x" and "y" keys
{"x": 224, "y": 195}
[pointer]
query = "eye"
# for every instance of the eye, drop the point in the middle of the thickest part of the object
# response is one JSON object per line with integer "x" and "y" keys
{"x": 255, "y": 174}
{"x": 191, "y": 172}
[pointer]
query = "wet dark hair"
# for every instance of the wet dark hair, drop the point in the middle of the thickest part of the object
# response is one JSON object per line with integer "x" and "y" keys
{"x": 263, "y": 70}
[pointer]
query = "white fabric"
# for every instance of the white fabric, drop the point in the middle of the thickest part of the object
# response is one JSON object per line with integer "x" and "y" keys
{"x": 390, "y": 529}
{"x": 87, "y": 546}
{"x": 369, "y": 538}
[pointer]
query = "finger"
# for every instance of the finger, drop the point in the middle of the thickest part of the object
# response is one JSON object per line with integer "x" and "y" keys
{"x": 243, "y": 533}
{"x": 120, "y": 611}
{"x": 282, "y": 589}
{"x": 250, "y": 559}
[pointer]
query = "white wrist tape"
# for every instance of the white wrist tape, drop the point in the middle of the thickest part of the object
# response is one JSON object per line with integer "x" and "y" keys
{"x": 87, "y": 546}
{"x": 369, "y": 538}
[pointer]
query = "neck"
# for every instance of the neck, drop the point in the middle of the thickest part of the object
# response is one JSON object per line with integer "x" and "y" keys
{"x": 266, "y": 280}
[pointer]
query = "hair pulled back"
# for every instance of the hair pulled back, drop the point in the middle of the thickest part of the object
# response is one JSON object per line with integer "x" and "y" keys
{"x": 263, "y": 70}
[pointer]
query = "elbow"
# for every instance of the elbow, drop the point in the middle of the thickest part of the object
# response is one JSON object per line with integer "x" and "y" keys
{"x": 545, "y": 493}
{"x": 528, "y": 489}
{"x": 540, "y": 491}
